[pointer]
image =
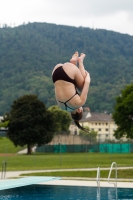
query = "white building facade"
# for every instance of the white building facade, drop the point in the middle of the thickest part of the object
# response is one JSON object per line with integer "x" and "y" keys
{"x": 102, "y": 123}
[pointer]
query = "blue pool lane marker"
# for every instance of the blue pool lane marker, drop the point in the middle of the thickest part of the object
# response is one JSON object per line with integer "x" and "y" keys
{"x": 13, "y": 183}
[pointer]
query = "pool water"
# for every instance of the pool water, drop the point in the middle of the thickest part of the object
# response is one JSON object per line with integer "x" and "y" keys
{"x": 45, "y": 192}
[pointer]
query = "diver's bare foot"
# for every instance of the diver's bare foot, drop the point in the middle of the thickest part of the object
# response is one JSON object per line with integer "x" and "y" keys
{"x": 74, "y": 58}
{"x": 81, "y": 58}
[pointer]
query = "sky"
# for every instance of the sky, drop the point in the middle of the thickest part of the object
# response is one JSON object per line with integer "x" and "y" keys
{"x": 115, "y": 15}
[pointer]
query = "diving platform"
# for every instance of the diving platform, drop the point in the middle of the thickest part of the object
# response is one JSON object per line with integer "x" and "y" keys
{"x": 14, "y": 183}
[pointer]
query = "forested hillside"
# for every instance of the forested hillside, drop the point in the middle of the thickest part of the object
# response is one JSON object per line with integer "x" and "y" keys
{"x": 29, "y": 52}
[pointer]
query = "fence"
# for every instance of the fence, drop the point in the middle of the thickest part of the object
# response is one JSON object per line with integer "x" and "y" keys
{"x": 101, "y": 148}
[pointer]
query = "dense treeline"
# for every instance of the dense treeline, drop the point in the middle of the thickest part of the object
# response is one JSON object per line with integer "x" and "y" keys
{"x": 29, "y": 52}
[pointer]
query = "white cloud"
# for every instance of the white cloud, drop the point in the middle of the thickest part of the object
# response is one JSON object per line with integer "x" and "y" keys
{"x": 114, "y": 15}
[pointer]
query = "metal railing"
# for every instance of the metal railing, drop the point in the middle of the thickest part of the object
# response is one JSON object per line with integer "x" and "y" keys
{"x": 98, "y": 183}
{"x": 98, "y": 177}
{"x": 3, "y": 173}
{"x": 115, "y": 183}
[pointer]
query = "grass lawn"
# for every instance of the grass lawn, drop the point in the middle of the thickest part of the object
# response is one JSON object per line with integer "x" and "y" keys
{"x": 65, "y": 161}
{"x": 42, "y": 161}
{"x": 6, "y": 146}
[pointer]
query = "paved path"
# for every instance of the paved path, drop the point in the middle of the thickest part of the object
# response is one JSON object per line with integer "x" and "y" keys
{"x": 10, "y": 174}
{"x": 24, "y": 151}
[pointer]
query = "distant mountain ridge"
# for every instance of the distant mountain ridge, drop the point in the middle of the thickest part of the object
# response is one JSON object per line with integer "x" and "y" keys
{"x": 29, "y": 52}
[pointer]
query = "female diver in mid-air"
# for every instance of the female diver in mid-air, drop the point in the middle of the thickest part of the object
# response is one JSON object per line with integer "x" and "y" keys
{"x": 68, "y": 78}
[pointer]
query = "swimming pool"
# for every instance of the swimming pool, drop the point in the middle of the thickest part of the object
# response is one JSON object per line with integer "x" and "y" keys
{"x": 48, "y": 192}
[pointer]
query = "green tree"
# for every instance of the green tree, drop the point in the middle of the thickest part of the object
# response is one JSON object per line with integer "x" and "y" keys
{"x": 4, "y": 124}
{"x": 123, "y": 113}
{"x": 62, "y": 117}
{"x": 30, "y": 122}
{"x": 90, "y": 135}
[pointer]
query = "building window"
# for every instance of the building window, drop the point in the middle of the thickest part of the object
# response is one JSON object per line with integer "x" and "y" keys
{"x": 95, "y": 123}
{"x": 106, "y": 129}
{"x": 92, "y": 129}
{"x": 99, "y": 129}
{"x": 106, "y": 124}
{"x": 99, "y": 123}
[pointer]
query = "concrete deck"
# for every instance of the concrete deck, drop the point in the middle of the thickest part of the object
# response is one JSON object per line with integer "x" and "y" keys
{"x": 88, "y": 183}
{"x": 124, "y": 183}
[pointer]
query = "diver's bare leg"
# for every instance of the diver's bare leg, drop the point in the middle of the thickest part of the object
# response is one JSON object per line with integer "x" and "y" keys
{"x": 81, "y": 65}
{"x": 74, "y": 58}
